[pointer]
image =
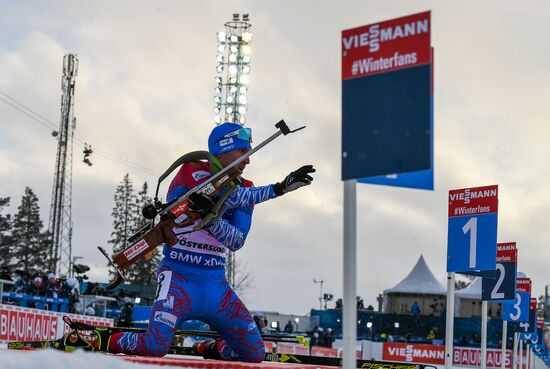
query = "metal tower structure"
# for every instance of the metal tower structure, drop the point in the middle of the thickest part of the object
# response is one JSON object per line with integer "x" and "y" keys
{"x": 60, "y": 224}
{"x": 232, "y": 69}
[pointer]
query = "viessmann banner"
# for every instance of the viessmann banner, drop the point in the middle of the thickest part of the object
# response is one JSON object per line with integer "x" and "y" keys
{"x": 430, "y": 354}
{"x": 387, "y": 103}
{"x": 386, "y": 46}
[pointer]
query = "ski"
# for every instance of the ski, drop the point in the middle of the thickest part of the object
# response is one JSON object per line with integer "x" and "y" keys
{"x": 317, "y": 360}
{"x": 337, "y": 362}
{"x": 269, "y": 357}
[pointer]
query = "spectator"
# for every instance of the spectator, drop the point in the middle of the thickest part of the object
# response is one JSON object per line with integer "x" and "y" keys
{"x": 126, "y": 315}
{"x": 22, "y": 283}
{"x": 318, "y": 337}
{"x": 37, "y": 288}
{"x": 90, "y": 311}
{"x": 52, "y": 286}
{"x": 289, "y": 328}
{"x": 329, "y": 338}
{"x": 338, "y": 304}
{"x": 370, "y": 308}
{"x": 415, "y": 309}
{"x": 258, "y": 322}
{"x": 69, "y": 290}
{"x": 6, "y": 274}
{"x": 120, "y": 299}
{"x": 360, "y": 304}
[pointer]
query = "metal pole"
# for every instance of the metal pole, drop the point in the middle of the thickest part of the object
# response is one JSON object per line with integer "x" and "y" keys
{"x": 483, "y": 334}
{"x": 528, "y": 356}
{"x": 349, "y": 333}
{"x": 504, "y": 342}
{"x": 515, "y": 352}
{"x": 520, "y": 354}
{"x": 449, "y": 325}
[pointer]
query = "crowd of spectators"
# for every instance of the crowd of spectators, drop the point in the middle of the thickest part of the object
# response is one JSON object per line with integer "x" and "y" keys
{"x": 41, "y": 284}
{"x": 321, "y": 337}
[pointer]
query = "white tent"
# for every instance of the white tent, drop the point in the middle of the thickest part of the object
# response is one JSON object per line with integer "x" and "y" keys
{"x": 473, "y": 291}
{"x": 419, "y": 281}
{"x": 419, "y": 286}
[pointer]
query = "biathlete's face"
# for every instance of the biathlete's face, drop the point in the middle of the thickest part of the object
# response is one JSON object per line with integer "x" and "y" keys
{"x": 229, "y": 157}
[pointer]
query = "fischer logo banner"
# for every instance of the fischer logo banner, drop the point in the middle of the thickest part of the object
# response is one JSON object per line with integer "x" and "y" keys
{"x": 386, "y": 46}
{"x": 25, "y": 324}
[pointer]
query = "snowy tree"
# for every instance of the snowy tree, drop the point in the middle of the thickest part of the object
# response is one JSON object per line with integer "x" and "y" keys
{"x": 123, "y": 213}
{"x": 145, "y": 270}
{"x": 28, "y": 239}
{"x": 5, "y": 234}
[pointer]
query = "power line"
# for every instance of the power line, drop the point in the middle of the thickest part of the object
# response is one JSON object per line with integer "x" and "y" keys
{"x": 22, "y": 108}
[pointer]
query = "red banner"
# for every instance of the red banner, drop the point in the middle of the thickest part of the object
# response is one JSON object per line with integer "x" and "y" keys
{"x": 25, "y": 324}
{"x": 323, "y": 351}
{"x": 427, "y": 354}
{"x": 386, "y": 46}
{"x": 292, "y": 348}
{"x": 524, "y": 285}
{"x": 472, "y": 357}
{"x": 472, "y": 201}
{"x": 507, "y": 252}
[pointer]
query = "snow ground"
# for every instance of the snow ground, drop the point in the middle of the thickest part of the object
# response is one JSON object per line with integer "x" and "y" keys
{"x": 51, "y": 359}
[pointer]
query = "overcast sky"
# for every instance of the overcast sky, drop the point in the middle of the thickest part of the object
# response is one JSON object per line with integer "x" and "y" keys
{"x": 144, "y": 94}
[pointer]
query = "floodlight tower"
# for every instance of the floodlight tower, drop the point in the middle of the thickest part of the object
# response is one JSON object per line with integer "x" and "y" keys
{"x": 233, "y": 68}
{"x": 232, "y": 71}
{"x": 60, "y": 224}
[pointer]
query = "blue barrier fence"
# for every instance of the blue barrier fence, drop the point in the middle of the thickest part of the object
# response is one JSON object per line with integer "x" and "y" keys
{"x": 38, "y": 302}
{"x": 413, "y": 328}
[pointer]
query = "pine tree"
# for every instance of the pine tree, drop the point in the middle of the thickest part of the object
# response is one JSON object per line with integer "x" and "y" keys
{"x": 5, "y": 234}
{"x": 145, "y": 270}
{"x": 122, "y": 214}
{"x": 28, "y": 238}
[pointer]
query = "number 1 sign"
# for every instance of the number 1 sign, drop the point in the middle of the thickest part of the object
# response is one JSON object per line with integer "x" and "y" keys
{"x": 472, "y": 230}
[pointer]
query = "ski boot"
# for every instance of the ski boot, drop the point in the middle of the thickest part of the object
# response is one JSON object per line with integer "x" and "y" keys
{"x": 208, "y": 349}
{"x": 98, "y": 340}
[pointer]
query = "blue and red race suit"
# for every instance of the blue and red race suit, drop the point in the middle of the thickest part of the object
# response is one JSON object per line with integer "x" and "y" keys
{"x": 191, "y": 277}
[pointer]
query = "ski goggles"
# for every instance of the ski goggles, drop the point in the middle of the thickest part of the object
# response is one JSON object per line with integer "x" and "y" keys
{"x": 244, "y": 134}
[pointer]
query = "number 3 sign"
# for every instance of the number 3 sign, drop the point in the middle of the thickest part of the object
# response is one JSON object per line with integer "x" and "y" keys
{"x": 518, "y": 311}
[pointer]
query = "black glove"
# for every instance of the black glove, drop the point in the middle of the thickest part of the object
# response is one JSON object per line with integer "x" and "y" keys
{"x": 200, "y": 203}
{"x": 294, "y": 180}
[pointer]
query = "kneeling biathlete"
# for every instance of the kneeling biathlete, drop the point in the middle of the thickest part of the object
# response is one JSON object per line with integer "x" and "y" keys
{"x": 191, "y": 275}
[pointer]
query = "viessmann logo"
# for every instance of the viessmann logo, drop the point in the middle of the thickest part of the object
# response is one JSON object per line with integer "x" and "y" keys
{"x": 468, "y": 195}
{"x": 376, "y": 35}
{"x": 136, "y": 249}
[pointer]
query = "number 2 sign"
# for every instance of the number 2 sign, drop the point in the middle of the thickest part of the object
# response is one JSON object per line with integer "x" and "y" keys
{"x": 503, "y": 287}
{"x": 472, "y": 229}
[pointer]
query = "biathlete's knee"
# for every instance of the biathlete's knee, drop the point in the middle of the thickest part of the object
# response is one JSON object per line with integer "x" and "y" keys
{"x": 255, "y": 356}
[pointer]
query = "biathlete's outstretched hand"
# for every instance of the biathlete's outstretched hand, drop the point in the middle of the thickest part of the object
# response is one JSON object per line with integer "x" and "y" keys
{"x": 294, "y": 180}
